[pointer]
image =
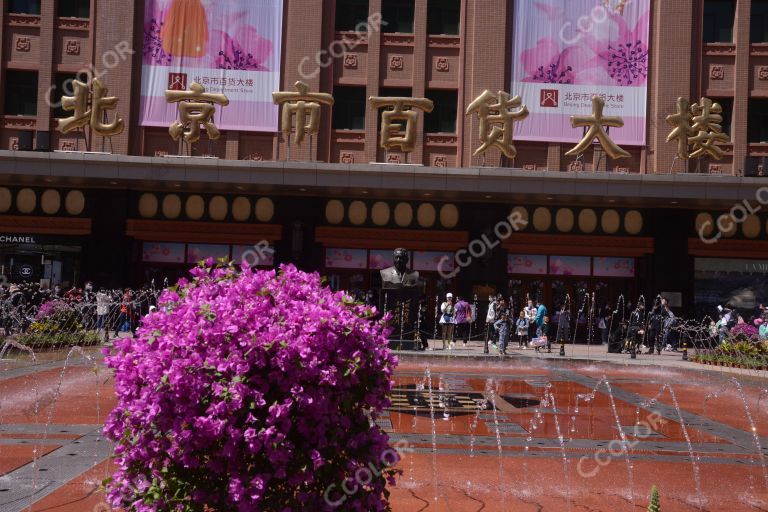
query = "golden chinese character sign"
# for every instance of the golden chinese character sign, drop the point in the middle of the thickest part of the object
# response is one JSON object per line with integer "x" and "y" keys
{"x": 697, "y": 129}
{"x": 89, "y": 107}
{"x": 567, "y": 51}
{"x": 497, "y": 114}
{"x": 398, "y": 121}
{"x": 595, "y": 130}
{"x": 304, "y": 106}
{"x": 230, "y": 47}
{"x": 196, "y": 109}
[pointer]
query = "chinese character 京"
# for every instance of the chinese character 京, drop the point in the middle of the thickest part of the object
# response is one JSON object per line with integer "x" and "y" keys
{"x": 301, "y": 104}
{"x": 497, "y": 116}
{"x": 394, "y": 134}
{"x": 196, "y": 108}
{"x": 94, "y": 116}
{"x": 595, "y": 123}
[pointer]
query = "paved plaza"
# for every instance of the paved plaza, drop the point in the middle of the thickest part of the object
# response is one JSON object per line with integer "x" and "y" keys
{"x": 476, "y": 433}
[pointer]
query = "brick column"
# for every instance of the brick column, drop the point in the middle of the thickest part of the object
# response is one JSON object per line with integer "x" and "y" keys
{"x": 304, "y": 41}
{"x": 372, "y": 89}
{"x": 486, "y": 67}
{"x": 554, "y": 156}
{"x": 232, "y": 146}
{"x": 113, "y": 61}
{"x": 45, "y": 69}
{"x": 670, "y": 74}
{"x": 419, "y": 74}
{"x": 3, "y": 10}
{"x": 741, "y": 28}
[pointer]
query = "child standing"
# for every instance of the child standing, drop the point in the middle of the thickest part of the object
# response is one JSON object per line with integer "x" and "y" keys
{"x": 545, "y": 332}
{"x": 503, "y": 327}
{"x": 522, "y": 330}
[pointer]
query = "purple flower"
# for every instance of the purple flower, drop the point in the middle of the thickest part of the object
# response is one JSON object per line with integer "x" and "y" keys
{"x": 546, "y": 63}
{"x": 153, "y": 43}
{"x": 624, "y": 58}
{"x": 249, "y": 390}
{"x": 244, "y": 49}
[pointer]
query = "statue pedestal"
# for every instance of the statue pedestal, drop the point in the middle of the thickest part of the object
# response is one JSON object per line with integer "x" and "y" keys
{"x": 403, "y": 305}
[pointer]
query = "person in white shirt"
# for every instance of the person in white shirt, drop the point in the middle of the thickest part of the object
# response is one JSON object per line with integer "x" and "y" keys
{"x": 102, "y": 309}
{"x": 447, "y": 320}
{"x": 530, "y": 314}
{"x": 490, "y": 319}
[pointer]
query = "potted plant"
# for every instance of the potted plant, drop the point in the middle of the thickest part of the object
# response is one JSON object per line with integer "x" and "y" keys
{"x": 252, "y": 390}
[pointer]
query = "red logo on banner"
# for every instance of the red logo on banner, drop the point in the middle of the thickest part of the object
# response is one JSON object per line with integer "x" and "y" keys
{"x": 550, "y": 98}
{"x": 177, "y": 81}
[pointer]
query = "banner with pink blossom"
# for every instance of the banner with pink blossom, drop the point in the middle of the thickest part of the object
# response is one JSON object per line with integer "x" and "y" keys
{"x": 566, "y": 51}
{"x": 228, "y": 46}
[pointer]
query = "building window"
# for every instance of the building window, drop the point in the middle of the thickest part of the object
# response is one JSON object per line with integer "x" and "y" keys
{"x": 24, "y": 6}
{"x": 349, "y": 108}
{"x": 75, "y": 8}
{"x": 398, "y": 14}
{"x": 20, "y": 93}
{"x": 443, "y": 118}
{"x": 727, "y": 104}
{"x": 757, "y": 129}
{"x": 759, "y": 21}
{"x": 443, "y": 17}
{"x": 351, "y": 15}
{"x": 718, "y": 21}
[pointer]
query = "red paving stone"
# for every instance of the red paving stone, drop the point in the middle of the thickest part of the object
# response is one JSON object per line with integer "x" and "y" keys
{"x": 541, "y": 486}
{"x": 83, "y": 494}
{"x": 518, "y": 481}
{"x": 14, "y": 456}
{"x": 74, "y": 402}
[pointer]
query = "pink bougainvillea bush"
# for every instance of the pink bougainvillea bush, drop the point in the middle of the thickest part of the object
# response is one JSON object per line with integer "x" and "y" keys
{"x": 252, "y": 391}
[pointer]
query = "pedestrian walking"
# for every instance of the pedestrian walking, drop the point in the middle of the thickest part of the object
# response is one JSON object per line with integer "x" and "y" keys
{"x": 447, "y": 322}
{"x": 503, "y": 326}
{"x": 522, "y": 331}
{"x": 463, "y": 316}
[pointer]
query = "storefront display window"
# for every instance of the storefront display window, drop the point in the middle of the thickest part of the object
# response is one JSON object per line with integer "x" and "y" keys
{"x": 741, "y": 284}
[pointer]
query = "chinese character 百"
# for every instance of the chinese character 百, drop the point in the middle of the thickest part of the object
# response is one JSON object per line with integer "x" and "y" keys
{"x": 497, "y": 117}
{"x": 298, "y": 104}
{"x": 400, "y": 109}
{"x": 595, "y": 123}
{"x": 196, "y": 108}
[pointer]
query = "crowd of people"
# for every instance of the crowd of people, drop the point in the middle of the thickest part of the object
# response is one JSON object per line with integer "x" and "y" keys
{"x": 104, "y": 310}
{"x": 630, "y": 328}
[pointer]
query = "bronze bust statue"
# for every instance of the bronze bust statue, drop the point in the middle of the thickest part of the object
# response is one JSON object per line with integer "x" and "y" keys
{"x": 398, "y": 277}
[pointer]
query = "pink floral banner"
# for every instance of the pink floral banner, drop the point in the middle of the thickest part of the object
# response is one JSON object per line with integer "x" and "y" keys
{"x": 614, "y": 267}
{"x": 426, "y": 261}
{"x": 228, "y": 46}
{"x": 527, "y": 264}
{"x": 566, "y": 51}
{"x": 346, "y": 258}
{"x": 158, "y": 252}
{"x": 570, "y": 265}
